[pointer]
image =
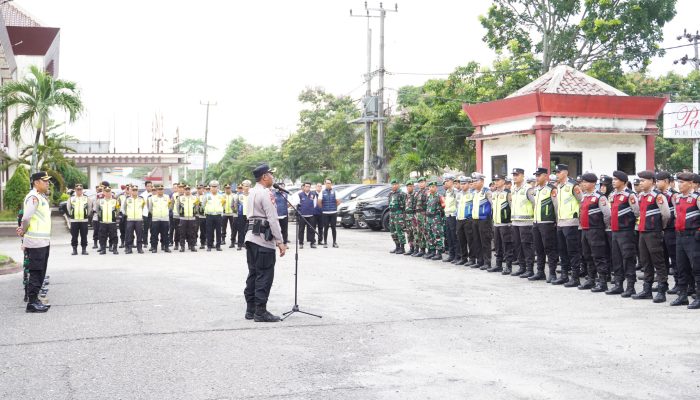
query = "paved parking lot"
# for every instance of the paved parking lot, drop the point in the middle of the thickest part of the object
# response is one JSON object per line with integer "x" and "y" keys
{"x": 170, "y": 326}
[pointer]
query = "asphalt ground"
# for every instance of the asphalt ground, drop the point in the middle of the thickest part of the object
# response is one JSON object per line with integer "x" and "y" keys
{"x": 171, "y": 326}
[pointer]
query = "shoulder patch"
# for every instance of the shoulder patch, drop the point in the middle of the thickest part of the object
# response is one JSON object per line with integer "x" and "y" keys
{"x": 660, "y": 199}
{"x": 603, "y": 201}
{"x": 633, "y": 199}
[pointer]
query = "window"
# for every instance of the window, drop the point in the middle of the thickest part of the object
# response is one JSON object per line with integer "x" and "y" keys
{"x": 573, "y": 160}
{"x": 626, "y": 163}
{"x": 499, "y": 165}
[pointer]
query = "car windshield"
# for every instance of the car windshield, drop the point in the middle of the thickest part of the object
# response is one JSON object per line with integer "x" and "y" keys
{"x": 345, "y": 191}
{"x": 372, "y": 193}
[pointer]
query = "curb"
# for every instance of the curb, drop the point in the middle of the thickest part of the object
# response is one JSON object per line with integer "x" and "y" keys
{"x": 11, "y": 270}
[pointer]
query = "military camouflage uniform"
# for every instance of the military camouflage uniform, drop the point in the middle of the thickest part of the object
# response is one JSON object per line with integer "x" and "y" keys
{"x": 397, "y": 204}
{"x": 410, "y": 220}
{"x": 435, "y": 223}
{"x": 421, "y": 221}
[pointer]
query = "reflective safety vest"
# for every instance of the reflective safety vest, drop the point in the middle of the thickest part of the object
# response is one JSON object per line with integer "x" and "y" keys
{"x": 649, "y": 212}
{"x": 40, "y": 223}
{"x": 621, "y": 215}
{"x": 79, "y": 208}
{"x": 521, "y": 205}
{"x": 591, "y": 214}
{"x": 186, "y": 206}
{"x": 450, "y": 202}
{"x": 175, "y": 210}
{"x": 160, "y": 210}
{"x": 481, "y": 207}
{"x": 687, "y": 213}
{"x": 243, "y": 204}
{"x": 464, "y": 206}
{"x": 214, "y": 205}
{"x": 230, "y": 201}
{"x": 567, "y": 203}
{"x": 107, "y": 211}
{"x": 544, "y": 205}
{"x": 133, "y": 208}
{"x": 501, "y": 209}
{"x": 120, "y": 200}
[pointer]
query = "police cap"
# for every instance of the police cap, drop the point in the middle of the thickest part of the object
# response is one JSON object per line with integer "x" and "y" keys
{"x": 518, "y": 171}
{"x": 261, "y": 170}
{"x": 561, "y": 167}
{"x": 541, "y": 171}
{"x": 605, "y": 180}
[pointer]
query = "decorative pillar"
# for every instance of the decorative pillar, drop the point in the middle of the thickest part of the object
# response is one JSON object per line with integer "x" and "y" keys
{"x": 650, "y": 152}
{"x": 93, "y": 179}
{"x": 479, "y": 148}
{"x": 543, "y": 138}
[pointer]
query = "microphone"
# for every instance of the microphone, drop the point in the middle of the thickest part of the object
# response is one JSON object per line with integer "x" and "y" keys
{"x": 281, "y": 189}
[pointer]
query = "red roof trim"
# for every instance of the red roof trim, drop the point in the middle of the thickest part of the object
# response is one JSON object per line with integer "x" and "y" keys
{"x": 32, "y": 41}
{"x": 550, "y": 104}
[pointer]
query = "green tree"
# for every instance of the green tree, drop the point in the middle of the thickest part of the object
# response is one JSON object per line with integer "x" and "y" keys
{"x": 17, "y": 187}
{"x": 579, "y": 33}
{"x": 36, "y": 96}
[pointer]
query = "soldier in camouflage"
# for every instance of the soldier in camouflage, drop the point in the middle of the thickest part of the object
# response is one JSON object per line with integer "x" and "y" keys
{"x": 435, "y": 221}
{"x": 421, "y": 231}
{"x": 397, "y": 205}
{"x": 410, "y": 218}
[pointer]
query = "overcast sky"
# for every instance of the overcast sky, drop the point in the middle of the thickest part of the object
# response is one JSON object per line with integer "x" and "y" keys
{"x": 133, "y": 59}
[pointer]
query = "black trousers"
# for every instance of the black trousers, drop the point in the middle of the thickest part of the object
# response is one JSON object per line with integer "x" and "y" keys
{"x": 688, "y": 259}
{"x": 174, "y": 232}
{"x": 651, "y": 256}
{"x": 545, "y": 238}
{"x": 78, "y": 228}
{"x": 261, "y": 273}
{"x": 228, "y": 221}
{"x": 95, "y": 230}
{"x": 670, "y": 250}
{"x": 284, "y": 226}
{"x": 624, "y": 256}
{"x": 318, "y": 226}
{"x": 202, "y": 223}
{"x": 242, "y": 227}
{"x": 108, "y": 231}
{"x": 569, "y": 244}
{"x": 482, "y": 231}
{"x": 146, "y": 228}
{"x": 523, "y": 248}
{"x": 451, "y": 236}
{"x": 122, "y": 228}
{"x": 593, "y": 243}
{"x": 134, "y": 229}
{"x": 503, "y": 236}
{"x": 213, "y": 229}
{"x": 159, "y": 228}
{"x": 464, "y": 235}
{"x": 302, "y": 226}
{"x": 329, "y": 221}
{"x": 37, "y": 262}
{"x": 188, "y": 232}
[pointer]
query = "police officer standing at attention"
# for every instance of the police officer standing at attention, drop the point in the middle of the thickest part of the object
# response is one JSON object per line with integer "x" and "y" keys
{"x": 133, "y": 210}
{"x": 121, "y": 218}
{"x": 687, "y": 227}
{"x": 593, "y": 217}
{"x": 503, "y": 233}
{"x": 35, "y": 231}
{"x": 568, "y": 197}
{"x": 187, "y": 206}
{"x": 230, "y": 213}
{"x": 664, "y": 185}
{"x": 451, "y": 219}
{"x": 107, "y": 209}
{"x": 78, "y": 208}
{"x": 146, "y": 216}
{"x": 544, "y": 229}
{"x": 159, "y": 207}
{"x": 522, "y": 204}
{"x": 213, "y": 208}
{"x": 624, "y": 210}
{"x": 483, "y": 222}
{"x": 464, "y": 228}
{"x": 263, "y": 235}
{"x": 201, "y": 218}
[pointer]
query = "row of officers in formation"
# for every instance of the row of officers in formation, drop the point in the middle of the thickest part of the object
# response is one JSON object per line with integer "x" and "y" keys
{"x": 600, "y": 230}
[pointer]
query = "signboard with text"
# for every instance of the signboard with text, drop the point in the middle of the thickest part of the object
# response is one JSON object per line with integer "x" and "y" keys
{"x": 682, "y": 121}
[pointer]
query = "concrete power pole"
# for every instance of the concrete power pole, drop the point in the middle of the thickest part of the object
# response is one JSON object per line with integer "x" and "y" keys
{"x": 696, "y": 63}
{"x": 206, "y": 138}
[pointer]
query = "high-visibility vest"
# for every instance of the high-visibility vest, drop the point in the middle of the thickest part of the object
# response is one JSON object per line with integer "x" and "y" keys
{"x": 40, "y": 223}
{"x": 243, "y": 204}
{"x": 522, "y": 207}
{"x": 450, "y": 202}
{"x": 160, "y": 210}
{"x": 464, "y": 210}
{"x": 544, "y": 205}
{"x": 78, "y": 207}
{"x": 186, "y": 206}
{"x": 568, "y": 204}
{"x": 230, "y": 201}
{"x": 176, "y": 195}
{"x": 214, "y": 204}
{"x": 107, "y": 210}
{"x": 481, "y": 207}
{"x": 501, "y": 209}
{"x": 133, "y": 208}
{"x": 121, "y": 200}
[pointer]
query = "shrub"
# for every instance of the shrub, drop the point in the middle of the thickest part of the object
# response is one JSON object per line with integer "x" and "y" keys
{"x": 16, "y": 189}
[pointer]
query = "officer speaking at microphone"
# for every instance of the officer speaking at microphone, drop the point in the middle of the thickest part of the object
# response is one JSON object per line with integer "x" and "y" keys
{"x": 262, "y": 236}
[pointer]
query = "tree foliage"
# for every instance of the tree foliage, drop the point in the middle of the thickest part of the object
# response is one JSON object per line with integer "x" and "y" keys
{"x": 15, "y": 190}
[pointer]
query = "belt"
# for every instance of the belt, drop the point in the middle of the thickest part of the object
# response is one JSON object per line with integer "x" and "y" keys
{"x": 214, "y": 213}
{"x": 451, "y": 215}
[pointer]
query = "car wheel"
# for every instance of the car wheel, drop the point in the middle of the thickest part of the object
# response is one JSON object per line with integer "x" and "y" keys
{"x": 385, "y": 222}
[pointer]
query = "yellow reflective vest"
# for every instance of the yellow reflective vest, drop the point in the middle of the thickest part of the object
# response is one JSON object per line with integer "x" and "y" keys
{"x": 568, "y": 204}
{"x": 107, "y": 210}
{"x": 40, "y": 223}
{"x": 214, "y": 204}
{"x": 133, "y": 208}
{"x": 160, "y": 208}
{"x": 521, "y": 205}
{"x": 79, "y": 208}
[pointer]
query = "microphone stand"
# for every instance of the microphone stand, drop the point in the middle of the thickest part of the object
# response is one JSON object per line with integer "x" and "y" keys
{"x": 295, "y": 308}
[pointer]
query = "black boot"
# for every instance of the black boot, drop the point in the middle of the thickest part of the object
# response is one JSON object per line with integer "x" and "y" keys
{"x": 177, "y": 246}
{"x": 630, "y": 290}
{"x": 249, "y": 311}
{"x": 94, "y": 246}
{"x": 674, "y": 290}
{"x": 496, "y": 268}
{"x": 84, "y": 251}
{"x": 182, "y": 249}
{"x": 682, "y": 299}
{"x": 429, "y": 254}
{"x": 102, "y": 251}
{"x": 538, "y": 276}
{"x": 400, "y": 250}
{"x": 35, "y": 306}
{"x": 616, "y": 289}
{"x": 520, "y": 271}
{"x": 449, "y": 259}
{"x": 601, "y": 286}
{"x": 661, "y": 295}
{"x": 193, "y": 249}
{"x": 645, "y": 294}
{"x": 121, "y": 246}
{"x": 485, "y": 267}
{"x": 507, "y": 270}
{"x": 75, "y": 251}
{"x": 410, "y": 251}
{"x": 696, "y": 303}
{"x": 167, "y": 250}
{"x": 139, "y": 250}
{"x": 262, "y": 315}
{"x": 114, "y": 249}
{"x": 587, "y": 285}
{"x": 128, "y": 250}
{"x": 232, "y": 245}
{"x": 563, "y": 278}
{"x": 420, "y": 253}
{"x": 437, "y": 256}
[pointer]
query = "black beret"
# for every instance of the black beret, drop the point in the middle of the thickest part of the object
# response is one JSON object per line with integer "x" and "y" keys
{"x": 685, "y": 176}
{"x": 621, "y": 176}
{"x": 589, "y": 177}
{"x": 661, "y": 175}
{"x": 696, "y": 178}
{"x": 646, "y": 175}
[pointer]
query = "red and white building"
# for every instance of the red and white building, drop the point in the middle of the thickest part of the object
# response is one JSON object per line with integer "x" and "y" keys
{"x": 566, "y": 116}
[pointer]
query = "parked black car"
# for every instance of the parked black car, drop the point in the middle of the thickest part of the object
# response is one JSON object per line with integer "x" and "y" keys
{"x": 348, "y": 200}
{"x": 372, "y": 209}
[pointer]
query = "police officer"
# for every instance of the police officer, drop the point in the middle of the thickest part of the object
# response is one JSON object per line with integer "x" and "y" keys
{"x": 35, "y": 230}
{"x": 133, "y": 211}
{"x": 213, "y": 208}
{"x": 243, "y": 212}
{"x": 187, "y": 206}
{"x": 78, "y": 207}
{"x": 664, "y": 185}
{"x": 409, "y": 218}
{"x": 229, "y": 216}
{"x": 260, "y": 247}
{"x": 201, "y": 218}
{"x": 593, "y": 217}
{"x": 654, "y": 213}
{"x": 107, "y": 210}
{"x": 451, "y": 219}
{"x": 464, "y": 227}
{"x": 397, "y": 205}
{"x": 173, "y": 239}
{"x": 687, "y": 226}
{"x": 483, "y": 222}
{"x": 522, "y": 204}
{"x": 544, "y": 230}
{"x": 568, "y": 197}
{"x": 435, "y": 222}
{"x": 624, "y": 210}
{"x": 159, "y": 206}
{"x": 421, "y": 231}
{"x": 95, "y": 219}
{"x": 146, "y": 216}
{"x": 502, "y": 230}
{"x": 121, "y": 218}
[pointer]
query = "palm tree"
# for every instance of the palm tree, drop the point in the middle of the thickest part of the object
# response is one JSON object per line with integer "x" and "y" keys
{"x": 36, "y": 96}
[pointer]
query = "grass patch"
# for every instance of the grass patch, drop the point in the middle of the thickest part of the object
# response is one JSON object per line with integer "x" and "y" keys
{"x": 4, "y": 259}
{"x": 8, "y": 215}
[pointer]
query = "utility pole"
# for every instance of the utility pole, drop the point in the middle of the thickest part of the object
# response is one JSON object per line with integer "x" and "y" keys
{"x": 206, "y": 138}
{"x": 696, "y": 63}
